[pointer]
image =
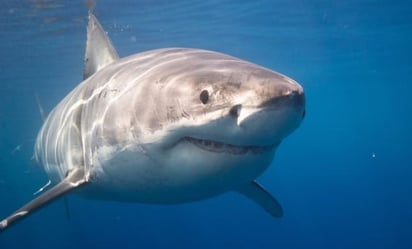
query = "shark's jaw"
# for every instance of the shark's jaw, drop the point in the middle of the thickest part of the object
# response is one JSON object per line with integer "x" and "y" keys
{"x": 191, "y": 169}
{"x": 222, "y": 147}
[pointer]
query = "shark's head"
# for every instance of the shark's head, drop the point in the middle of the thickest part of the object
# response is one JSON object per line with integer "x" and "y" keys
{"x": 215, "y": 118}
{"x": 220, "y": 100}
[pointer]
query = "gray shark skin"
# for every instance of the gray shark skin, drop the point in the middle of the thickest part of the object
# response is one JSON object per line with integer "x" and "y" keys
{"x": 166, "y": 126}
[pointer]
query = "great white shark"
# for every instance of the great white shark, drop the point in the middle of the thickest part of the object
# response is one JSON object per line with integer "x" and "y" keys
{"x": 166, "y": 126}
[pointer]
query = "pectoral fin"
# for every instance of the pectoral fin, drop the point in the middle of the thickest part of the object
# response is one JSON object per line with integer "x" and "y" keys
{"x": 74, "y": 179}
{"x": 262, "y": 197}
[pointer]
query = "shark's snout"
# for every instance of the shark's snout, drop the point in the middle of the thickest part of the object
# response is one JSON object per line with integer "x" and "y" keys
{"x": 280, "y": 110}
{"x": 293, "y": 98}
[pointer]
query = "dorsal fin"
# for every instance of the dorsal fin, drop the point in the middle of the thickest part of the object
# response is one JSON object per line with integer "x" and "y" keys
{"x": 99, "y": 49}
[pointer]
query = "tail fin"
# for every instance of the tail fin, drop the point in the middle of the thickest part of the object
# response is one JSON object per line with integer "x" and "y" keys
{"x": 42, "y": 112}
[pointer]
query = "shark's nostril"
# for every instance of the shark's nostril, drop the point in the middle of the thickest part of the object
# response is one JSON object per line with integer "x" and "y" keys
{"x": 296, "y": 97}
{"x": 235, "y": 111}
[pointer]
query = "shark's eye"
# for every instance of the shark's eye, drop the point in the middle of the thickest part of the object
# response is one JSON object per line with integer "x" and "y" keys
{"x": 204, "y": 96}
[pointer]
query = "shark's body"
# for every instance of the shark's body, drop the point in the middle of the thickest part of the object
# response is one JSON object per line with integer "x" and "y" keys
{"x": 165, "y": 126}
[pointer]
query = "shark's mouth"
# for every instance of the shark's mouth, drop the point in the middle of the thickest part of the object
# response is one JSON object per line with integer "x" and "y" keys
{"x": 220, "y": 147}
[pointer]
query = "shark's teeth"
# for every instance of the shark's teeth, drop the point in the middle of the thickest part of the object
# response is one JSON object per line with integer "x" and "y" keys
{"x": 220, "y": 147}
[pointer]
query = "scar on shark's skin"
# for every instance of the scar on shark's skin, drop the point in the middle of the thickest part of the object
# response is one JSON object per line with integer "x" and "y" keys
{"x": 165, "y": 126}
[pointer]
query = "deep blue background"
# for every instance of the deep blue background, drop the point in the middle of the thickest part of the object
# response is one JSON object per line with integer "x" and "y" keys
{"x": 344, "y": 177}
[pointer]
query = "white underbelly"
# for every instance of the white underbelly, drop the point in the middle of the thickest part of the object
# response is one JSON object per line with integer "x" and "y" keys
{"x": 170, "y": 177}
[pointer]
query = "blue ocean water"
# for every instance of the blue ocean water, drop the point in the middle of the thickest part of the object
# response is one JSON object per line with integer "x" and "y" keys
{"x": 343, "y": 178}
